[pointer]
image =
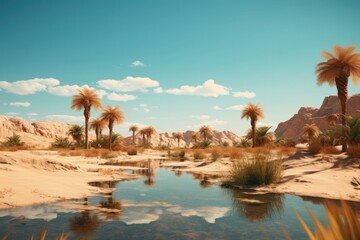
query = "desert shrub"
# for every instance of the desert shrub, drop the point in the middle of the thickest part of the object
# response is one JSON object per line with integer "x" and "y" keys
{"x": 315, "y": 147}
{"x": 199, "y": 155}
{"x": 132, "y": 151}
{"x": 106, "y": 154}
{"x": 285, "y": 142}
{"x": 91, "y": 152}
{"x": 343, "y": 223}
{"x": 353, "y": 130}
{"x": 354, "y": 150}
{"x": 243, "y": 143}
{"x": 42, "y": 235}
{"x": 329, "y": 150}
{"x": 257, "y": 171}
{"x": 235, "y": 154}
{"x": 203, "y": 144}
{"x": 225, "y": 144}
{"x": 61, "y": 142}
{"x": 13, "y": 141}
{"x": 215, "y": 154}
{"x": 182, "y": 154}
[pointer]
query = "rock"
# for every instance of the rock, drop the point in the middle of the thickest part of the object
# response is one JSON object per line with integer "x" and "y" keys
{"x": 292, "y": 128}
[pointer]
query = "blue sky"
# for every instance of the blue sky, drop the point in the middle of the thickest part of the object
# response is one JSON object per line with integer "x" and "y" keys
{"x": 227, "y": 52}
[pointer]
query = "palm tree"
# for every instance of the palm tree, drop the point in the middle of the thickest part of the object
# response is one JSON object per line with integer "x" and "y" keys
{"x": 336, "y": 71}
{"x": 112, "y": 115}
{"x": 195, "y": 137}
{"x": 254, "y": 113}
{"x": 85, "y": 99}
{"x": 77, "y": 133}
{"x": 332, "y": 119}
{"x": 97, "y": 125}
{"x": 143, "y": 134}
{"x": 178, "y": 136}
{"x": 133, "y": 129}
{"x": 310, "y": 132}
{"x": 149, "y": 131}
{"x": 206, "y": 132}
{"x": 263, "y": 136}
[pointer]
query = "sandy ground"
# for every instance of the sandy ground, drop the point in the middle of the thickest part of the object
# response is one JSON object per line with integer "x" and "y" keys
{"x": 39, "y": 176}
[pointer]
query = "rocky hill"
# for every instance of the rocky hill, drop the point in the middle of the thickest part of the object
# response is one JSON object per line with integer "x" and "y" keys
{"x": 292, "y": 128}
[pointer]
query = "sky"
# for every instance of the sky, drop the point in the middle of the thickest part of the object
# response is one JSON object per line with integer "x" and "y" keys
{"x": 174, "y": 65}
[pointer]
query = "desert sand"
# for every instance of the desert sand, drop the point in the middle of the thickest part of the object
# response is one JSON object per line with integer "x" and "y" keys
{"x": 43, "y": 176}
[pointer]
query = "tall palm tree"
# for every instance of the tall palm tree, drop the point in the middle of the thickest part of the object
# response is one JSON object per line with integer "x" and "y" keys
{"x": 332, "y": 119}
{"x": 206, "y": 132}
{"x": 77, "y": 133}
{"x": 179, "y": 136}
{"x": 143, "y": 134}
{"x": 149, "y": 131}
{"x": 336, "y": 71}
{"x": 85, "y": 99}
{"x": 254, "y": 113}
{"x": 97, "y": 125}
{"x": 133, "y": 129}
{"x": 112, "y": 115}
{"x": 310, "y": 132}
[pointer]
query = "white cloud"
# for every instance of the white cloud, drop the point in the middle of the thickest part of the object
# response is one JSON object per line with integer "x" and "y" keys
{"x": 137, "y": 63}
{"x": 201, "y": 117}
{"x": 31, "y": 86}
{"x": 245, "y": 94}
{"x": 20, "y": 104}
{"x": 209, "y": 214}
{"x": 70, "y": 90}
{"x": 208, "y": 89}
{"x": 236, "y": 107}
{"x": 12, "y": 113}
{"x": 146, "y": 110}
{"x": 216, "y": 108}
{"x": 32, "y": 114}
{"x": 65, "y": 118}
{"x": 143, "y": 105}
{"x": 215, "y": 122}
{"x": 121, "y": 97}
{"x": 128, "y": 84}
{"x": 158, "y": 90}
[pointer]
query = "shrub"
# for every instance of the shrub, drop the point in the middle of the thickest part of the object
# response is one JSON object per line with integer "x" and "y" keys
{"x": 285, "y": 142}
{"x": 257, "y": 171}
{"x": 132, "y": 151}
{"x": 343, "y": 223}
{"x": 203, "y": 144}
{"x": 354, "y": 151}
{"x": 235, "y": 154}
{"x": 182, "y": 154}
{"x": 215, "y": 155}
{"x": 13, "y": 141}
{"x": 225, "y": 144}
{"x": 61, "y": 142}
{"x": 315, "y": 147}
{"x": 199, "y": 155}
{"x": 106, "y": 154}
{"x": 330, "y": 150}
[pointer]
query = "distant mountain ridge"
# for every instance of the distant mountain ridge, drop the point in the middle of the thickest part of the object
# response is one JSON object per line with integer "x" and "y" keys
{"x": 42, "y": 134}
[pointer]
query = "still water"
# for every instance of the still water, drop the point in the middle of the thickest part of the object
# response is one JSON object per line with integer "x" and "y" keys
{"x": 166, "y": 204}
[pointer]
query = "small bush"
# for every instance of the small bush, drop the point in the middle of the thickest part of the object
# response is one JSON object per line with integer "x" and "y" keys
{"x": 330, "y": 150}
{"x": 106, "y": 154}
{"x": 13, "y": 141}
{"x": 257, "y": 171}
{"x": 199, "y": 155}
{"x": 235, "y": 154}
{"x": 132, "y": 151}
{"x": 315, "y": 147}
{"x": 225, "y": 144}
{"x": 203, "y": 144}
{"x": 215, "y": 155}
{"x": 182, "y": 154}
{"x": 61, "y": 142}
{"x": 354, "y": 151}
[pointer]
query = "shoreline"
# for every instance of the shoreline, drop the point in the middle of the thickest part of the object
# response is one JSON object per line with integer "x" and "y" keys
{"x": 26, "y": 175}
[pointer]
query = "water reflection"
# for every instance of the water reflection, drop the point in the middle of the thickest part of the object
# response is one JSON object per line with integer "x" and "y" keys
{"x": 204, "y": 179}
{"x": 256, "y": 206}
{"x": 85, "y": 224}
{"x": 111, "y": 209}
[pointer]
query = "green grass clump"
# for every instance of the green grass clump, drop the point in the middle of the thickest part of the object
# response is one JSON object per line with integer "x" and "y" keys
{"x": 61, "y": 142}
{"x": 257, "y": 171}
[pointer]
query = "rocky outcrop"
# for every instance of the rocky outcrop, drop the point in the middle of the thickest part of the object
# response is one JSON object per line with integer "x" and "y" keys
{"x": 167, "y": 139}
{"x": 292, "y": 128}
{"x": 46, "y": 129}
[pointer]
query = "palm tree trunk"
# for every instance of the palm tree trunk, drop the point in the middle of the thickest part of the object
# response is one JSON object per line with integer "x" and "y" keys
{"x": 87, "y": 116}
{"x": 253, "y": 129}
{"x": 342, "y": 87}
{"x": 111, "y": 124}
{"x": 134, "y": 137}
{"x": 178, "y": 142}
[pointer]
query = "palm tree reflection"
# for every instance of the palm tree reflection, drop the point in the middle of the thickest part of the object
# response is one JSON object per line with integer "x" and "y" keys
{"x": 111, "y": 208}
{"x": 256, "y": 207}
{"x": 84, "y": 225}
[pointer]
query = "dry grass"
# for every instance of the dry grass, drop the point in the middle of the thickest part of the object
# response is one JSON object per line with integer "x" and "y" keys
{"x": 14, "y": 148}
{"x": 132, "y": 151}
{"x": 106, "y": 172}
{"x": 330, "y": 150}
{"x": 199, "y": 154}
{"x": 102, "y": 153}
{"x": 315, "y": 147}
{"x": 42, "y": 235}
{"x": 344, "y": 224}
{"x": 354, "y": 151}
